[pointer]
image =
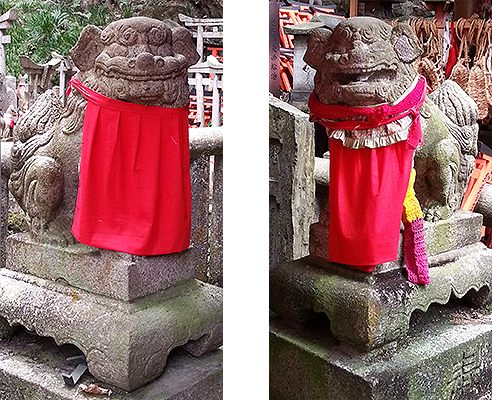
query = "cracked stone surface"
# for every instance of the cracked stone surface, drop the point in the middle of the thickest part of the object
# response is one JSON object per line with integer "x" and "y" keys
{"x": 445, "y": 355}
{"x": 109, "y": 273}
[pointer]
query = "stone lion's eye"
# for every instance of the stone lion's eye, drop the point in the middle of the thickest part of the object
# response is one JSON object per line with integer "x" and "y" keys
{"x": 106, "y": 36}
{"x": 129, "y": 37}
{"x": 367, "y": 34}
{"x": 157, "y": 36}
{"x": 346, "y": 33}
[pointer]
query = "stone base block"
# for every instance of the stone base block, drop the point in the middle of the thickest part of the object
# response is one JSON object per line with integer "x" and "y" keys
{"x": 371, "y": 310}
{"x": 31, "y": 367}
{"x": 110, "y": 273}
{"x": 462, "y": 229}
{"x": 125, "y": 344}
{"x": 447, "y": 354}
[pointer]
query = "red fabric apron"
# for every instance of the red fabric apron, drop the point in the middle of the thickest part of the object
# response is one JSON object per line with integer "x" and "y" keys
{"x": 134, "y": 188}
{"x": 367, "y": 190}
{"x": 368, "y": 186}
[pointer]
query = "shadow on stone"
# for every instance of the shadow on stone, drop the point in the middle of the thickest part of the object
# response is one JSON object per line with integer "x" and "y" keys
{"x": 317, "y": 321}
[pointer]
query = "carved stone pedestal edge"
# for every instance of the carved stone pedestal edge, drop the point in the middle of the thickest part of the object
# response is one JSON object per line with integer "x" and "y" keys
{"x": 440, "y": 359}
{"x": 125, "y": 344}
{"x": 461, "y": 229}
{"x": 371, "y": 310}
{"x": 31, "y": 366}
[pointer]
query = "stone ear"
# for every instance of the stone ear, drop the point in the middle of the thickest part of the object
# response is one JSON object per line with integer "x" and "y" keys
{"x": 317, "y": 47}
{"x": 88, "y": 47}
{"x": 183, "y": 44}
{"x": 405, "y": 43}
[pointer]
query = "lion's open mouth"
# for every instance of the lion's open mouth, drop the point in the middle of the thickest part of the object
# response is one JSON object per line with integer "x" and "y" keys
{"x": 355, "y": 76}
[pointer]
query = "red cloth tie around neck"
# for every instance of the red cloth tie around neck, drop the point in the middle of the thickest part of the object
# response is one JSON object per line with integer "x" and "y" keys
{"x": 342, "y": 117}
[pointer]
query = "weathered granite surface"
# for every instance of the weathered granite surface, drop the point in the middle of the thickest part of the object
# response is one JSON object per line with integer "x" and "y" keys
{"x": 117, "y": 275}
{"x": 371, "y": 310}
{"x": 200, "y": 174}
{"x": 291, "y": 181}
{"x": 362, "y": 62}
{"x": 463, "y": 228}
{"x": 447, "y": 354}
{"x": 5, "y": 169}
{"x": 446, "y": 159}
{"x": 31, "y": 367}
{"x": 126, "y": 344}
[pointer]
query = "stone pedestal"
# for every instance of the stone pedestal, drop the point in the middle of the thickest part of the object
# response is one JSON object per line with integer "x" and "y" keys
{"x": 459, "y": 231}
{"x": 124, "y": 312}
{"x": 125, "y": 344}
{"x": 342, "y": 334}
{"x": 444, "y": 356}
{"x": 117, "y": 275}
{"x": 371, "y": 310}
{"x": 31, "y": 367}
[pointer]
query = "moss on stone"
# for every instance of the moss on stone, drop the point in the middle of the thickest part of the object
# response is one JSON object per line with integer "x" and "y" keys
{"x": 16, "y": 222}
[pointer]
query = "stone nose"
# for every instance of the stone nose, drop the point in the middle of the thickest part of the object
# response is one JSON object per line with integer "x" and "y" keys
{"x": 145, "y": 61}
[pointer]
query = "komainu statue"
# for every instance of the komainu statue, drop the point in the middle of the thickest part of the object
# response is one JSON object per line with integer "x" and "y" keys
{"x": 366, "y": 62}
{"x": 136, "y": 60}
{"x": 395, "y": 156}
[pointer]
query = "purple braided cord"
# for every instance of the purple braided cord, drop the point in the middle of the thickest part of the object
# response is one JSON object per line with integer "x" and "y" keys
{"x": 415, "y": 253}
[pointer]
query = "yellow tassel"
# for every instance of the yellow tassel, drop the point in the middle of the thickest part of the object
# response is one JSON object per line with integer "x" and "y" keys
{"x": 411, "y": 205}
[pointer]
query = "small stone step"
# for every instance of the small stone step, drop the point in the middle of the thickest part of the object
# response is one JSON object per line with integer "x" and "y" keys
{"x": 459, "y": 231}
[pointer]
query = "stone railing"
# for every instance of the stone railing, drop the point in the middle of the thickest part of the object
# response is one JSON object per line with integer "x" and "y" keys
{"x": 206, "y": 179}
{"x": 206, "y": 202}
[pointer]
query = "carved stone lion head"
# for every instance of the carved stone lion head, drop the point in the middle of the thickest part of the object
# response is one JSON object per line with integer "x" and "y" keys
{"x": 365, "y": 61}
{"x": 139, "y": 60}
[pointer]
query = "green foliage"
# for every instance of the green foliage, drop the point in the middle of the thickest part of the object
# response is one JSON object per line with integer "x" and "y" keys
{"x": 44, "y": 26}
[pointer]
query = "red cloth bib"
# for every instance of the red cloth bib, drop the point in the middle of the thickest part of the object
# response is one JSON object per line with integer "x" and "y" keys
{"x": 134, "y": 188}
{"x": 367, "y": 190}
{"x": 368, "y": 185}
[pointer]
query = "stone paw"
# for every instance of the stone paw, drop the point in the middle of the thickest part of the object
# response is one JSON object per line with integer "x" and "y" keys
{"x": 52, "y": 236}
